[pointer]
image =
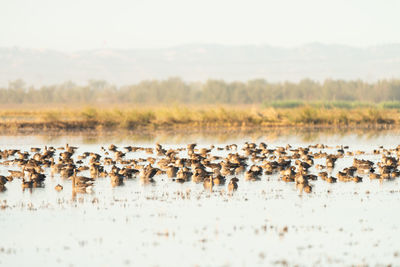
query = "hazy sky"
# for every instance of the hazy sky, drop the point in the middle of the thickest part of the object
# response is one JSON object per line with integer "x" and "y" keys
{"x": 87, "y": 24}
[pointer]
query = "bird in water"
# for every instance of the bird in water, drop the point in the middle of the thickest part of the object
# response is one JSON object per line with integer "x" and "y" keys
{"x": 147, "y": 173}
{"x": 233, "y": 186}
{"x": 208, "y": 183}
{"x": 81, "y": 184}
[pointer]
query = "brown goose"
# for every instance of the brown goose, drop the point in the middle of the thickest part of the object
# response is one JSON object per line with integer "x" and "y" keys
{"x": 199, "y": 174}
{"x": 128, "y": 172}
{"x": 37, "y": 179}
{"x": 183, "y": 175}
{"x": 58, "y": 187}
{"x": 147, "y": 173}
{"x": 26, "y": 184}
{"x": 3, "y": 181}
{"x": 218, "y": 179}
{"x": 116, "y": 178}
{"x": 172, "y": 171}
{"x": 55, "y": 167}
{"x": 233, "y": 186}
{"x": 17, "y": 174}
{"x": 251, "y": 176}
{"x": 81, "y": 184}
{"x": 331, "y": 180}
{"x": 208, "y": 183}
{"x": 67, "y": 171}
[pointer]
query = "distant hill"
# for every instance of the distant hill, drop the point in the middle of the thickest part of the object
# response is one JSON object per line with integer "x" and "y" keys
{"x": 201, "y": 62}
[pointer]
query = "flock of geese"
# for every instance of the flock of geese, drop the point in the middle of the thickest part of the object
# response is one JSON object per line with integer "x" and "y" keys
{"x": 250, "y": 162}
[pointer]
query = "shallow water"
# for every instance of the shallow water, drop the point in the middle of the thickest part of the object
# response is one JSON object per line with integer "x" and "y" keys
{"x": 169, "y": 224}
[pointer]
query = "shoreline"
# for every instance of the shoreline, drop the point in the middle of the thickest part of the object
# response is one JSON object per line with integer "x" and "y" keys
{"x": 95, "y": 127}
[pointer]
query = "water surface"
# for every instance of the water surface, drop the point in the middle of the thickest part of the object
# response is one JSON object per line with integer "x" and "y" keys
{"x": 171, "y": 224}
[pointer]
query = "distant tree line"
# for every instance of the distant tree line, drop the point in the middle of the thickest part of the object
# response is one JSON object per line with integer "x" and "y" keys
{"x": 175, "y": 90}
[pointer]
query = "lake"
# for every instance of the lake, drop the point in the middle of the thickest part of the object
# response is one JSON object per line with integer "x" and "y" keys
{"x": 265, "y": 222}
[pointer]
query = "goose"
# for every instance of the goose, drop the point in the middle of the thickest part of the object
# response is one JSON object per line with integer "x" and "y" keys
{"x": 233, "y": 186}
{"x": 3, "y": 181}
{"x": 70, "y": 149}
{"x": 199, "y": 174}
{"x": 35, "y": 149}
{"x": 146, "y": 174}
{"x": 112, "y": 147}
{"x": 128, "y": 172}
{"x": 251, "y": 176}
{"x": 17, "y": 174}
{"x": 26, "y": 184}
{"x": 323, "y": 175}
{"x": 172, "y": 171}
{"x": 58, "y": 187}
{"x": 289, "y": 172}
{"x": 81, "y": 184}
{"x": 36, "y": 179}
{"x": 307, "y": 188}
{"x": 208, "y": 183}
{"x": 218, "y": 179}
{"x": 301, "y": 179}
{"x": 116, "y": 179}
{"x": 183, "y": 175}
{"x": 67, "y": 171}
{"x": 331, "y": 180}
{"x": 55, "y": 168}
{"x": 373, "y": 176}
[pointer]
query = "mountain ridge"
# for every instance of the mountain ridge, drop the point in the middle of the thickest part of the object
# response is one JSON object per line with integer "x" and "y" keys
{"x": 199, "y": 62}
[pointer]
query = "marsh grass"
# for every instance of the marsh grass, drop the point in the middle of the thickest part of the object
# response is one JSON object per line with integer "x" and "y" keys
{"x": 390, "y": 105}
{"x": 290, "y": 104}
{"x": 196, "y": 116}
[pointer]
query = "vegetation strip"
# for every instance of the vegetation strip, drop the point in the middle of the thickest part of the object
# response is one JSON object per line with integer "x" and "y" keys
{"x": 329, "y": 93}
{"x": 194, "y": 117}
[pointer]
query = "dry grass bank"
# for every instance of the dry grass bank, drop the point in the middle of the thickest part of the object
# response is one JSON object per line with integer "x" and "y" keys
{"x": 190, "y": 116}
